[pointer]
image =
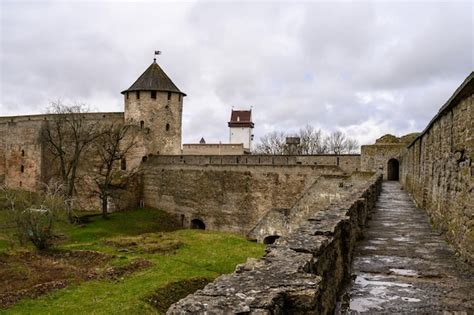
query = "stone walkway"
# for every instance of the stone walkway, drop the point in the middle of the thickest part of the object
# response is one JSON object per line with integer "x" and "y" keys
{"x": 403, "y": 266}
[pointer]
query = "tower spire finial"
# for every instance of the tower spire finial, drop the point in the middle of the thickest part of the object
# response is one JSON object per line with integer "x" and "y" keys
{"x": 157, "y": 52}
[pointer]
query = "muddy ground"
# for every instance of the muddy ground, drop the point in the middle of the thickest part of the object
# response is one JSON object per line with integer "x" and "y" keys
{"x": 30, "y": 274}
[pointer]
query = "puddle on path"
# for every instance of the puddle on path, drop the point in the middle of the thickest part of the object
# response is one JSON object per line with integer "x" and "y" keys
{"x": 404, "y": 272}
{"x": 381, "y": 291}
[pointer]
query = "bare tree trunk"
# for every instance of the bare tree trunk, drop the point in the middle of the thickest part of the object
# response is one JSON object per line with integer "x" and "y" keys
{"x": 104, "y": 207}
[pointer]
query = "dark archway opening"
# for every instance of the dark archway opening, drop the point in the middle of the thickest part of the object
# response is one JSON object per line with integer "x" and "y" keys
{"x": 270, "y": 239}
{"x": 393, "y": 169}
{"x": 197, "y": 224}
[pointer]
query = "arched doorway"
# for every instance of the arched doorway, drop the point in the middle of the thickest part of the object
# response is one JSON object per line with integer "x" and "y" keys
{"x": 393, "y": 169}
{"x": 270, "y": 239}
{"x": 197, "y": 224}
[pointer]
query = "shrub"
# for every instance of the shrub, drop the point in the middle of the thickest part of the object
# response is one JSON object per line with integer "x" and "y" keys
{"x": 33, "y": 214}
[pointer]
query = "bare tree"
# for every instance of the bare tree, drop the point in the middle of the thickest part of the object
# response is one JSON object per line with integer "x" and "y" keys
{"x": 272, "y": 143}
{"x": 67, "y": 134}
{"x": 111, "y": 148}
{"x": 352, "y": 145}
{"x": 311, "y": 141}
{"x": 336, "y": 142}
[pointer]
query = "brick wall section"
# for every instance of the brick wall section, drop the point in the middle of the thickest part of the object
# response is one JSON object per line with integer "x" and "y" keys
{"x": 302, "y": 273}
{"x": 438, "y": 170}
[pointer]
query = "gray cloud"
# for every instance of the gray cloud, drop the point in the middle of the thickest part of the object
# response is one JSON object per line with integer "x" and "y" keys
{"x": 364, "y": 67}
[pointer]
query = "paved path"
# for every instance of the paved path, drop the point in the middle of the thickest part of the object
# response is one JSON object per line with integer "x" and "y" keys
{"x": 403, "y": 266}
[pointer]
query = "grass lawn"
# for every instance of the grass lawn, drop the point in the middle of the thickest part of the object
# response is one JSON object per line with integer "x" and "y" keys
{"x": 175, "y": 256}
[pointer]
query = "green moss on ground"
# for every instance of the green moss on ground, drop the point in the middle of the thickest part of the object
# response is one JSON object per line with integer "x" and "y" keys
{"x": 176, "y": 256}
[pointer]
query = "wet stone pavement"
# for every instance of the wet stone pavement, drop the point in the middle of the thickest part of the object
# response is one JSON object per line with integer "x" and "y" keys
{"x": 403, "y": 266}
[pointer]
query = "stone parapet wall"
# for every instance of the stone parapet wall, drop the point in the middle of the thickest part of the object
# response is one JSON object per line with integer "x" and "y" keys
{"x": 325, "y": 190}
{"x": 347, "y": 162}
{"x": 213, "y": 149}
{"x": 438, "y": 171}
{"x": 41, "y": 117}
{"x": 302, "y": 273}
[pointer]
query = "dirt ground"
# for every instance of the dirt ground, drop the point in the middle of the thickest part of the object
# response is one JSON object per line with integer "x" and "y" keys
{"x": 29, "y": 274}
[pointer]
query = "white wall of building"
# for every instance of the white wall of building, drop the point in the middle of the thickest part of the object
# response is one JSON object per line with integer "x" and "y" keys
{"x": 241, "y": 135}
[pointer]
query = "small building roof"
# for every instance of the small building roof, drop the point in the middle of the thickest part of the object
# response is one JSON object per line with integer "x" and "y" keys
{"x": 154, "y": 79}
{"x": 241, "y": 118}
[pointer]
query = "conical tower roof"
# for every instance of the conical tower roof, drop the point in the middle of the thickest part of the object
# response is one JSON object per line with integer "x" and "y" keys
{"x": 154, "y": 79}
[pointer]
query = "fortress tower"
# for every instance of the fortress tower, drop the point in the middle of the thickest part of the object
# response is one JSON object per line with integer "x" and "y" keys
{"x": 240, "y": 128}
{"x": 155, "y": 104}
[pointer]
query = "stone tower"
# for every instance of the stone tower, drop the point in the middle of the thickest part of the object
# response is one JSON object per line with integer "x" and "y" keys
{"x": 155, "y": 104}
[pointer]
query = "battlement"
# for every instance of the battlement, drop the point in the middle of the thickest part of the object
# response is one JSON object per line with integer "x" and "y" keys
{"x": 346, "y": 162}
{"x": 42, "y": 117}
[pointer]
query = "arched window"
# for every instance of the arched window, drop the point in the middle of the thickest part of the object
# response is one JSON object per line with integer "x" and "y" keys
{"x": 167, "y": 127}
{"x": 22, "y": 168}
{"x": 22, "y": 152}
{"x": 142, "y": 123}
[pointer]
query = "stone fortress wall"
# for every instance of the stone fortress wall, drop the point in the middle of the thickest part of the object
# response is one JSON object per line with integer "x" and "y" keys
{"x": 438, "y": 171}
{"x": 225, "y": 197}
{"x": 302, "y": 273}
{"x": 213, "y": 149}
{"x": 23, "y": 157}
{"x": 326, "y": 189}
{"x": 315, "y": 204}
{"x": 346, "y": 162}
{"x": 304, "y": 270}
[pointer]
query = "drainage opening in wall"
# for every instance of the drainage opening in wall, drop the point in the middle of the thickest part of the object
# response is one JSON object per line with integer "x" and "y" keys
{"x": 197, "y": 224}
{"x": 270, "y": 239}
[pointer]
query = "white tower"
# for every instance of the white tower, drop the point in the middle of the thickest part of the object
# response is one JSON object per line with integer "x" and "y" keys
{"x": 240, "y": 128}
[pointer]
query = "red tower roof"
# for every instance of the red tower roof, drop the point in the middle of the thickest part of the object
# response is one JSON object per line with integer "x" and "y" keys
{"x": 241, "y": 118}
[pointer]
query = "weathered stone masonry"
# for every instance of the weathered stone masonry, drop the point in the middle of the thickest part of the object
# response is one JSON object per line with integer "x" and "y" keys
{"x": 226, "y": 197}
{"x": 302, "y": 273}
{"x": 437, "y": 169}
{"x": 24, "y": 162}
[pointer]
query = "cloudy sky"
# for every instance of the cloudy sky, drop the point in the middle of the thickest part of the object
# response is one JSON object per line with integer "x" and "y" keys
{"x": 363, "y": 67}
